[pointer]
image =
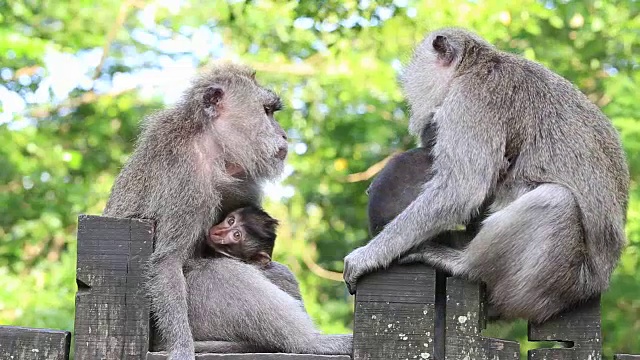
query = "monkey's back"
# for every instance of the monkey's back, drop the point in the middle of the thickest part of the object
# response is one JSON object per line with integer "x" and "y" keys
{"x": 397, "y": 185}
{"x": 565, "y": 139}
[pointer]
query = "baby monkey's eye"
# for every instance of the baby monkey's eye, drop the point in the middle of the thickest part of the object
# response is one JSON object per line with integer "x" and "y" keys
{"x": 236, "y": 235}
{"x": 231, "y": 220}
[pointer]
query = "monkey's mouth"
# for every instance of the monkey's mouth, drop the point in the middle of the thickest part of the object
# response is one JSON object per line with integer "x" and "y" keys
{"x": 282, "y": 153}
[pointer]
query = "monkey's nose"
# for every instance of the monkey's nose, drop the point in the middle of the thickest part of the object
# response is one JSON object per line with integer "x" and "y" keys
{"x": 218, "y": 233}
{"x": 282, "y": 153}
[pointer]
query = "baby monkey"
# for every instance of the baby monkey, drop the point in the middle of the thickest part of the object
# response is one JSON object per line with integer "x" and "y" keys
{"x": 248, "y": 234}
{"x": 235, "y": 289}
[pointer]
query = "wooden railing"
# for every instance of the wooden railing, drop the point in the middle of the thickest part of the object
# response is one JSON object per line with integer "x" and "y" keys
{"x": 404, "y": 312}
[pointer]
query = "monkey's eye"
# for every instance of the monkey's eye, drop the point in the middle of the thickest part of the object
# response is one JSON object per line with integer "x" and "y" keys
{"x": 236, "y": 235}
{"x": 231, "y": 220}
{"x": 268, "y": 109}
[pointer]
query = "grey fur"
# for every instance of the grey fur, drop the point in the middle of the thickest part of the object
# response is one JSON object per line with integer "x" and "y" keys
{"x": 228, "y": 302}
{"x": 283, "y": 278}
{"x": 178, "y": 176}
{"x": 234, "y": 302}
{"x": 556, "y": 228}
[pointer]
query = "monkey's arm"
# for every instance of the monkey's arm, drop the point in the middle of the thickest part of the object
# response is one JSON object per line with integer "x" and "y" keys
{"x": 468, "y": 155}
{"x": 177, "y": 234}
{"x": 167, "y": 288}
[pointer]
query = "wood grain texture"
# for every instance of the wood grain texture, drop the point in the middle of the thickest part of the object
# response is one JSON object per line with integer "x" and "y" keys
{"x": 579, "y": 329}
{"x": 34, "y": 344}
{"x": 394, "y": 314}
{"x": 112, "y": 311}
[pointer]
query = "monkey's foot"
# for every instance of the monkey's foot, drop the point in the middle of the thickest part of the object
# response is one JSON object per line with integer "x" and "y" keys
{"x": 412, "y": 258}
{"x": 182, "y": 354}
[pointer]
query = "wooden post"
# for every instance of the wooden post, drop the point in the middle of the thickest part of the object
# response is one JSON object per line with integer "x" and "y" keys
{"x": 579, "y": 328}
{"x": 626, "y": 357}
{"x": 112, "y": 311}
{"x": 34, "y": 344}
{"x": 395, "y": 313}
{"x": 465, "y": 320}
{"x": 412, "y": 312}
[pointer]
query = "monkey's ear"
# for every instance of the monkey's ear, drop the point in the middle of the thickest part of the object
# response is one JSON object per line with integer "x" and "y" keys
{"x": 262, "y": 258}
{"x": 443, "y": 47}
{"x": 212, "y": 96}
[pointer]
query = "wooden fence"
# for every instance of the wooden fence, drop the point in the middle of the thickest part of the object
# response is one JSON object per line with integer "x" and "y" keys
{"x": 405, "y": 312}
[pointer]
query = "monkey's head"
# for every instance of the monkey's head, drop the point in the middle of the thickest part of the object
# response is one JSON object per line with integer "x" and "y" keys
{"x": 239, "y": 116}
{"x": 436, "y": 61}
{"x": 247, "y": 234}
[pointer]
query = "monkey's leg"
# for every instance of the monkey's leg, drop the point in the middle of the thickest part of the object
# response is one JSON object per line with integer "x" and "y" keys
{"x": 167, "y": 289}
{"x": 216, "y": 346}
{"x": 440, "y": 256}
{"x": 445, "y": 252}
{"x": 531, "y": 255}
{"x": 277, "y": 321}
{"x": 230, "y": 300}
{"x": 227, "y": 347}
{"x": 283, "y": 278}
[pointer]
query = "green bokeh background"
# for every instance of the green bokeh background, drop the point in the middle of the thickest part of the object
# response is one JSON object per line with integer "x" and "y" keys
{"x": 76, "y": 77}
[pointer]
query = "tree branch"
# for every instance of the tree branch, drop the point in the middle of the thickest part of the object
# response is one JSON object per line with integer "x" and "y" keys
{"x": 317, "y": 269}
{"x": 120, "y": 18}
{"x": 371, "y": 171}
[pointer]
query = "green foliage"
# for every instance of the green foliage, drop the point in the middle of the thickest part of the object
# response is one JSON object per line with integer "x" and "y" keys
{"x": 70, "y": 114}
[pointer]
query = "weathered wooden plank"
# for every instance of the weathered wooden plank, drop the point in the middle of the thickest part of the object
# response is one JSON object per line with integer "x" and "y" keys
{"x": 578, "y": 328}
{"x": 34, "y": 344}
{"x": 112, "y": 311}
{"x": 464, "y": 322}
{"x": 626, "y": 357}
{"x": 394, "y": 314}
{"x": 278, "y": 356}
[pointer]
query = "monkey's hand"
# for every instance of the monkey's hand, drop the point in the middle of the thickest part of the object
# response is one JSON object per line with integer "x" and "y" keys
{"x": 356, "y": 264}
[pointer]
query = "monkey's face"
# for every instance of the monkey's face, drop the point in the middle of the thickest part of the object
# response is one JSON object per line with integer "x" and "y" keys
{"x": 426, "y": 78}
{"x": 246, "y": 127}
{"x": 231, "y": 238}
{"x": 228, "y": 237}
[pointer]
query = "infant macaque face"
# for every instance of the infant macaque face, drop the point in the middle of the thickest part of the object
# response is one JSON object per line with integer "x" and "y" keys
{"x": 246, "y": 234}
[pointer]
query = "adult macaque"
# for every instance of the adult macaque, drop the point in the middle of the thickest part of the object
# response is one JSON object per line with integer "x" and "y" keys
{"x": 193, "y": 162}
{"x": 555, "y": 229}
